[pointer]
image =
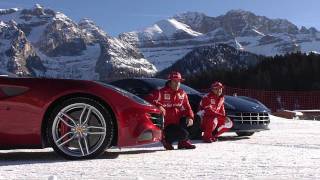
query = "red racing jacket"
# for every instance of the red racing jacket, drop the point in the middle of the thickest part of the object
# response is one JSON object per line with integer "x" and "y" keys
{"x": 175, "y": 103}
{"x": 212, "y": 105}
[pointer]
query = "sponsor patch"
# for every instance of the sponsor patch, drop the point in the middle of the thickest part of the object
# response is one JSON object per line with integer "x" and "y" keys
{"x": 213, "y": 101}
{"x": 167, "y": 96}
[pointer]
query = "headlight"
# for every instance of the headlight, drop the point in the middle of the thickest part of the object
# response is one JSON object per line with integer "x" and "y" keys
{"x": 127, "y": 94}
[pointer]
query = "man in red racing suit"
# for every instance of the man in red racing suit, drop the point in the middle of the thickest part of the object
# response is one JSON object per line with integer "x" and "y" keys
{"x": 178, "y": 115}
{"x": 213, "y": 114}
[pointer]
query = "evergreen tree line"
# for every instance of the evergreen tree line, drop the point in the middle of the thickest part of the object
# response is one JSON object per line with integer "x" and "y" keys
{"x": 294, "y": 72}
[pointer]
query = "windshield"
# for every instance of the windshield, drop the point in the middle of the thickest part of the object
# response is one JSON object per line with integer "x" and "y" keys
{"x": 126, "y": 93}
{"x": 159, "y": 83}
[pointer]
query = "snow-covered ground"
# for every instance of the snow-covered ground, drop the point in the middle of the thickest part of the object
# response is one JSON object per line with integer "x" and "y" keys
{"x": 290, "y": 150}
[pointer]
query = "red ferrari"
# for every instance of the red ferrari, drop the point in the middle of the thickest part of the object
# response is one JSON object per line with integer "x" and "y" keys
{"x": 78, "y": 119}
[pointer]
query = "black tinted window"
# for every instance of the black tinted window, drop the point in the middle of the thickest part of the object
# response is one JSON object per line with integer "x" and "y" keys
{"x": 134, "y": 86}
{"x": 159, "y": 83}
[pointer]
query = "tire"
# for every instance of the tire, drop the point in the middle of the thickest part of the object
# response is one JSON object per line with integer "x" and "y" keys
{"x": 244, "y": 133}
{"x": 75, "y": 135}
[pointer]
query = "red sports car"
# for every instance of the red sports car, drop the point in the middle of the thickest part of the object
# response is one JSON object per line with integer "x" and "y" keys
{"x": 78, "y": 119}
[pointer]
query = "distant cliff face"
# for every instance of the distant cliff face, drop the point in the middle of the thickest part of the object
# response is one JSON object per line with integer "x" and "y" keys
{"x": 43, "y": 43}
{"x": 170, "y": 40}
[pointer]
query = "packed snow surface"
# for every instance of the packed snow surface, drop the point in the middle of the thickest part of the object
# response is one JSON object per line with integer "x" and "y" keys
{"x": 289, "y": 150}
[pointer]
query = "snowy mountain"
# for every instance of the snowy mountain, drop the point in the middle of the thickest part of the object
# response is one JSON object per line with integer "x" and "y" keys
{"x": 219, "y": 56}
{"x": 169, "y": 40}
{"x": 41, "y": 42}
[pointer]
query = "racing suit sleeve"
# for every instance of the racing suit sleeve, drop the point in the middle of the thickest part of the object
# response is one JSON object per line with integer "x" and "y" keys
{"x": 219, "y": 109}
{"x": 187, "y": 108}
{"x": 205, "y": 104}
{"x": 212, "y": 110}
{"x": 222, "y": 110}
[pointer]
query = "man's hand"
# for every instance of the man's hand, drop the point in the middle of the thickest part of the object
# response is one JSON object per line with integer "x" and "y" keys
{"x": 163, "y": 111}
{"x": 189, "y": 122}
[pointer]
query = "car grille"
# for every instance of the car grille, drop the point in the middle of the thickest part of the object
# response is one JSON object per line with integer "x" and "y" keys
{"x": 157, "y": 119}
{"x": 251, "y": 118}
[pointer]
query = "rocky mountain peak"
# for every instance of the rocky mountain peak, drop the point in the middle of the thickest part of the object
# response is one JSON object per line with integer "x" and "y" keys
{"x": 37, "y": 10}
{"x": 89, "y": 26}
{"x": 239, "y": 12}
{"x": 190, "y": 16}
{"x": 171, "y": 39}
{"x": 237, "y": 21}
{"x": 43, "y": 42}
{"x": 8, "y": 30}
{"x": 8, "y": 11}
{"x": 37, "y": 6}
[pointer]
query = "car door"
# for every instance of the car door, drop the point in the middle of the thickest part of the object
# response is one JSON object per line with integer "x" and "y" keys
{"x": 14, "y": 114}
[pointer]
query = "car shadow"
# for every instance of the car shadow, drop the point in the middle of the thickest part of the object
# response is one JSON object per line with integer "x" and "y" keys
{"x": 114, "y": 155}
{"x": 232, "y": 138}
{"x": 222, "y": 138}
{"x": 19, "y": 158}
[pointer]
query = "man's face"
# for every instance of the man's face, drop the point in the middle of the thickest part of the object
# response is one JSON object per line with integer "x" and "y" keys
{"x": 217, "y": 91}
{"x": 174, "y": 84}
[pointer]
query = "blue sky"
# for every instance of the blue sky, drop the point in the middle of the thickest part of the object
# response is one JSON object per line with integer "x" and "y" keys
{"x": 116, "y": 16}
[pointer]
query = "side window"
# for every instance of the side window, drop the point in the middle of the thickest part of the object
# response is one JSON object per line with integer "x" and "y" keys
{"x": 136, "y": 87}
{"x": 139, "y": 88}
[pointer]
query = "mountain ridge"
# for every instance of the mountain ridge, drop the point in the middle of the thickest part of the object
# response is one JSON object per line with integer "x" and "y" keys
{"x": 241, "y": 29}
{"x": 56, "y": 46}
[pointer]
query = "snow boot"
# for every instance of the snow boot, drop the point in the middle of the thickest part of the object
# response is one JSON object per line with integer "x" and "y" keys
{"x": 167, "y": 145}
{"x": 186, "y": 144}
{"x": 207, "y": 139}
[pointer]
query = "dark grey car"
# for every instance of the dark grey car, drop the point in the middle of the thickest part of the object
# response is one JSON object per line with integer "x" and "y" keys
{"x": 248, "y": 114}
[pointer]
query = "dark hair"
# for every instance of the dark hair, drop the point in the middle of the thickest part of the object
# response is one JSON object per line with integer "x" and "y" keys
{"x": 167, "y": 83}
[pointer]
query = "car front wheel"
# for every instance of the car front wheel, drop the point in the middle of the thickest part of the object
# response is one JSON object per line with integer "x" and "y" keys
{"x": 80, "y": 128}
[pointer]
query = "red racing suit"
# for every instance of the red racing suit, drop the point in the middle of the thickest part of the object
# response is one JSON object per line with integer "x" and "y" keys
{"x": 213, "y": 115}
{"x": 175, "y": 103}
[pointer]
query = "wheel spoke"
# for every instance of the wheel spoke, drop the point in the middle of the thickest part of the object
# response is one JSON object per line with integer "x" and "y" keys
{"x": 82, "y": 113}
{"x": 72, "y": 120}
{"x": 66, "y": 141}
{"x": 86, "y": 144}
{"x": 96, "y": 133}
{"x": 95, "y": 127}
{"x": 80, "y": 145}
{"x": 57, "y": 141}
{"x": 65, "y": 122}
{"x": 103, "y": 132}
{"x": 87, "y": 117}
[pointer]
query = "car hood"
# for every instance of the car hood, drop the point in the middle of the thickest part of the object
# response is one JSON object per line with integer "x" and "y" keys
{"x": 239, "y": 104}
